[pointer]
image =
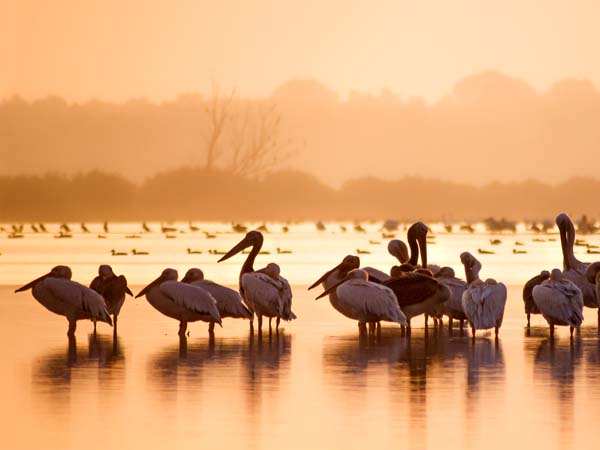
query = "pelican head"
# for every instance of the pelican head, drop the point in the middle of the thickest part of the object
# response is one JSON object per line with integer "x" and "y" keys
{"x": 273, "y": 270}
{"x": 252, "y": 239}
{"x": 446, "y": 272}
{"x": 348, "y": 263}
{"x": 398, "y": 271}
{"x": 417, "y": 235}
{"x": 357, "y": 274}
{"x": 398, "y": 249}
{"x": 592, "y": 272}
{"x": 166, "y": 275}
{"x": 556, "y": 275}
{"x": 56, "y": 272}
{"x": 472, "y": 266}
{"x": 192, "y": 275}
{"x": 105, "y": 271}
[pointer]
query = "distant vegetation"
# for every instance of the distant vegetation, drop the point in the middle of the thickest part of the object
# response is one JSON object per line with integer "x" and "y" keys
{"x": 201, "y": 194}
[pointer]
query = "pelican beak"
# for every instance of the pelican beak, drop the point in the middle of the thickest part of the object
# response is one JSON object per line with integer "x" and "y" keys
{"x": 128, "y": 291}
{"x": 150, "y": 286}
{"x": 235, "y": 250}
{"x": 325, "y": 275}
{"x": 333, "y": 288}
{"x": 32, "y": 283}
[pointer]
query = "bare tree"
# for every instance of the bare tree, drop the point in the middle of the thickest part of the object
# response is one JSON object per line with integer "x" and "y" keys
{"x": 218, "y": 111}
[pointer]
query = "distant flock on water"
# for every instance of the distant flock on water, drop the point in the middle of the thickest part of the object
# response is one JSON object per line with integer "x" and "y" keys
{"x": 364, "y": 294}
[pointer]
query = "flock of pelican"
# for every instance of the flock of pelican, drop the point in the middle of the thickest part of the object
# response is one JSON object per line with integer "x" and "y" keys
{"x": 366, "y": 295}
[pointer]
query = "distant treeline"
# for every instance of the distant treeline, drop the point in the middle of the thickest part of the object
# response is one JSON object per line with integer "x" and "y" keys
{"x": 199, "y": 194}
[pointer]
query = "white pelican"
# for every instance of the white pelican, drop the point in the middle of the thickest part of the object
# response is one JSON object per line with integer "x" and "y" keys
{"x": 229, "y": 302}
{"x": 573, "y": 269}
{"x": 592, "y": 274}
{"x": 359, "y": 299}
{"x": 397, "y": 249}
{"x": 560, "y": 301}
{"x": 530, "y": 306}
{"x": 483, "y": 301}
{"x": 265, "y": 292}
{"x": 113, "y": 289}
{"x": 453, "y": 306}
{"x": 57, "y": 293}
{"x": 181, "y": 301}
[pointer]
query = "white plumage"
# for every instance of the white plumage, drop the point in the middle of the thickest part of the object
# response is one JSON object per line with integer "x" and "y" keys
{"x": 267, "y": 296}
{"x": 483, "y": 302}
{"x": 191, "y": 297}
{"x": 560, "y": 301}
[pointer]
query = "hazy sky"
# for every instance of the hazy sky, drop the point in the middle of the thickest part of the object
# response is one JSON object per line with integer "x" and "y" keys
{"x": 116, "y": 49}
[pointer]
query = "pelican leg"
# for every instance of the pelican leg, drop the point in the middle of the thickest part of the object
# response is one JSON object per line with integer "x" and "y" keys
{"x": 473, "y": 332}
{"x": 94, "y": 326}
{"x": 426, "y": 320}
{"x": 182, "y": 328}
{"x": 362, "y": 328}
{"x": 72, "y": 327}
{"x": 277, "y": 322}
{"x": 551, "y": 330}
{"x": 496, "y": 330}
{"x": 598, "y": 318}
{"x": 528, "y": 321}
{"x": 114, "y": 326}
{"x": 450, "y": 323}
{"x": 402, "y": 330}
{"x": 571, "y": 329}
{"x": 211, "y": 328}
{"x": 259, "y": 319}
{"x": 408, "y": 328}
{"x": 371, "y": 328}
{"x": 462, "y": 322}
{"x": 378, "y": 327}
{"x": 270, "y": 328}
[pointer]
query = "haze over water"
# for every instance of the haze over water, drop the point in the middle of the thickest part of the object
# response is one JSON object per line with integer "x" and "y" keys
{"x": 316, "y": 383}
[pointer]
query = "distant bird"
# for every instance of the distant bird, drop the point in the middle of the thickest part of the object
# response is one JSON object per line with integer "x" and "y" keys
{"x": 101, "y": 236}
{"x": 167, "y": 229}
{"x": 374, "y": 242}
{"x": 84, "y": 228}
{"x": 146, "y": 228}
{"x": 34, "y": 228}
{"x": 192, "y": 227}
{"x": 559, "y": 301}
{"x": 321, "y": 226}
{"x": 239, "y": 228}
{"x": 43, "y": 228}
{"x": 105, "y": 227}
{"x": 280, "y": 251}
{"x": 209, "y": 235}
{"x": 181, "y": 301}
{"x": 57, "y": 293}
{"x": 263, "y": 228}
{"x": 495, "y": 241}
{"x": 592, "y": 273}
{"x": 359, "y": 299}
{"x": 467, "y": 227}
{"x": 363, "y": 252}
{"x": 133, "y": 236}
{"x": 482, "y": 251}
{"x": 530, "y": 306}
{"x": 519, "y": 243}
{"x": 285, "y": 228}
{"x": 573, "y": 269}
{"x": 359, "y": 228}
{"x": 519, "y": 252}
{"x": 343, "y": 229}
{"x": 63, "y": 235}
{"x": 113, "y": 289}
{"x": 264, "y": 294}
{"x": 483, "y": 301}
{"x": 116, "y": 253}
{"x": 229, "y": 302}
{"x": 64, "y": 227}
{"x": 170, "y": 236}
{"x": 193, "y": 252}
{"x": 139, "y": 252}
{"x": 448, "y": 228}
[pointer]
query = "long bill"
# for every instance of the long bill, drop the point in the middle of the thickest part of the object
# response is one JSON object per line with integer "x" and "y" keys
{"x": 422, "y": 239}
{"x": 235, "y": 250}
{"x": 32, "y": 283}
{"x": 150, "y": 286}
{"x": 333, "y": 288}
{"x": 325, "y": 275}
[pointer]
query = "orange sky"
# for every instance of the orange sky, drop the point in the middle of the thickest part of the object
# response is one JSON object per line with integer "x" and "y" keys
{"x": 115, "y": 49}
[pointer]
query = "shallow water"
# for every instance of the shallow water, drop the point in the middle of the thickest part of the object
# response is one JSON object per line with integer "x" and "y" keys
{"x": 316, "y": 384}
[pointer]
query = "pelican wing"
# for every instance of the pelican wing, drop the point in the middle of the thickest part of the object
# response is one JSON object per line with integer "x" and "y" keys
{"x": 560, "y": 302}
{"x": 229, "y": 302}
{"x": 372, "y": 300}
{"x": 530, "y": 305}
{"x": 191, "y": 297}
{"x": 483, "y": 304}
{"x": 412, "y": 288}
{"x": 457, "y": 287}
{"x": 286, "y": 292}
{"x": 263, "y": 293}
{"x": 97, "y": 285}
{"x": 79, "y": 296}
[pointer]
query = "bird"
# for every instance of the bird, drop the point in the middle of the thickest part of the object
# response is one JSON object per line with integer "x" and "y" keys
{"x": 57, "y": 293}
{"x": 116, "y": 253}
{"x": 145, "y": 227}
{"x": 530, "y": 306}
{"x": 482, "y": 251}
{"x": 229, "y": 301}
{"x": 264, "y": 294}
{"x": 592, "y": 273}
{"x": 193, "y": 252}
{"x": 453, "y": 306}
{"x": 181, "y": 301}
{"x": 483, "y": 301}
{"x": 281, "y": 251}
{"x": 559, "y": 301}
{"x": 359, "y": 299}
{"x": 113, "y": 289}
{"x": 397, "y": 249}
{"x": 84, "y": 228}
{"x": 573, "y": 269}
{"x": 139, "y": 252}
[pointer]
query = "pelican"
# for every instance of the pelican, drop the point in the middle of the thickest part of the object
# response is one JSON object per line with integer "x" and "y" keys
{"x": 453, "y": 306}
{"x": 113, "y": 289}
{"x": 264, "y": 294}
{"x": 530, "y": 306}
{"x": 229, "y": 302}
{"x": 57, "y": 293}
{"x": 398, "y": 250}
{"x": 573, "y": 269}
{"x": 560, "y": 301}
{"x": 592, "y": 274}
{"x": 359, "y": 299}
{"x": 483, "y": 301}
{"x": 181, "y": 301}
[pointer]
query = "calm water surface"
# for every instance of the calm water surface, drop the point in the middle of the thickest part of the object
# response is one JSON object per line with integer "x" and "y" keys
{"x": 316, "y": 384}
